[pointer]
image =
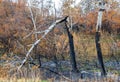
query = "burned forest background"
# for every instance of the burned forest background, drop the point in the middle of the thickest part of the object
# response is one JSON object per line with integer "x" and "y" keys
{"x": 23, "y": 22}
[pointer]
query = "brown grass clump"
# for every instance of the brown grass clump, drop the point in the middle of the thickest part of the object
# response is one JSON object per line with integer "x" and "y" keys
{"x": 4, "y": 72}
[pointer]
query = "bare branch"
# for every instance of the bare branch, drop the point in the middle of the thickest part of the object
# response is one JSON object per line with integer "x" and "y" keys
{"x": 40, "y": 32}
{"x": 28, "y": 35}
{"x": 33, "y": 20}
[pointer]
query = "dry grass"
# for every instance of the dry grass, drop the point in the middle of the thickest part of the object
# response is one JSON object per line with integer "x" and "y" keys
{"x": 35, "y": 75}
{"x": 53, "y": 80}
{"x": 4, "y": 72}
{"x": 22, "y": 80}
{"x": 85, "y": 44}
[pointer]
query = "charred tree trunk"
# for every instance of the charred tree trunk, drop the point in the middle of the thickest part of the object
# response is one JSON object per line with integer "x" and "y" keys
{"x": 97, "y": 38}
{"x": 99, "y": 53}
{"x": 39, "y": 60}
{"x": 72, "y": 52}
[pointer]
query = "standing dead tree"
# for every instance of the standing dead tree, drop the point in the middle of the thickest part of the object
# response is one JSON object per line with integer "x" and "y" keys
{"x": 97, "y": 36}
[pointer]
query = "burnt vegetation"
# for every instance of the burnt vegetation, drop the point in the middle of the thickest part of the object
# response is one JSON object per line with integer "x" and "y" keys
{"x": 68, "y": 50}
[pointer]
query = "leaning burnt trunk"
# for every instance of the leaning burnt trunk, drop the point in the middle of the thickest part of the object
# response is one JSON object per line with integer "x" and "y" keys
{"x": 97, "y": 38}
{"x": 72, "y": 52}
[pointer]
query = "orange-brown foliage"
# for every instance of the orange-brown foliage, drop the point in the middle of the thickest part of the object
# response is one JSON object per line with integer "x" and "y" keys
{"x": 12, "y": 25}
{"x": 15, "y": 23}
{"x": 110, "y": 22}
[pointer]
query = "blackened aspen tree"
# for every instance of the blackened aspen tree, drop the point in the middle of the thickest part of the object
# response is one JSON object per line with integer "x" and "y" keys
{"x": 71, "y": 46}
{"x": 97, "y": 37}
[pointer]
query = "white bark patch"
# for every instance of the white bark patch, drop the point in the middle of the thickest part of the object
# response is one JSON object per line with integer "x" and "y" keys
{"x": 99, "y": 21}
{"x": 102, "y": 7}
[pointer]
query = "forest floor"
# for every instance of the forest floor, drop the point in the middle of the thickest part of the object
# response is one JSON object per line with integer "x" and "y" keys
{"x": 50, "y": 72}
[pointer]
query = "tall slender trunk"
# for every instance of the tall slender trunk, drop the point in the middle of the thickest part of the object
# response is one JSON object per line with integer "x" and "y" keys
{"x": 97, "y": 38}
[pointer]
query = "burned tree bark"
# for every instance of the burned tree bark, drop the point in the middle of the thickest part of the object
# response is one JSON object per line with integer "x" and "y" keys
{"x": 72, "y": 52}
{"x": 97, "y": 38}
{"x": 99, "y": 53}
